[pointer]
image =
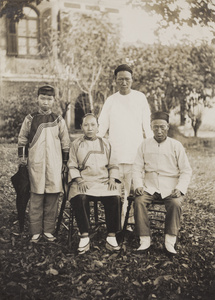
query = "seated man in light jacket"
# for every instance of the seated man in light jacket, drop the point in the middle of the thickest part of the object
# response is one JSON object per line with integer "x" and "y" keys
{"x": 161, "y": 171}
{"x": 94, "y": 174}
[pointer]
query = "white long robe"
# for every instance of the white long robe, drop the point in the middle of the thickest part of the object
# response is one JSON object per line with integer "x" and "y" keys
{"x": 127, "y": 117}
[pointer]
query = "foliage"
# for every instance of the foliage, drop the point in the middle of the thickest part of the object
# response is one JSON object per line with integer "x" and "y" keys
{"x": 82, "y": 52}
{"x": 15, "y": 110}
{"x": 200, "y": 11}
{"x": 95, "y": 45}
{"x": 202, "y": 58}
{"x": 51, "y": 271}
{"x": 167, "y": 74}
{"x": 13, "y": 9}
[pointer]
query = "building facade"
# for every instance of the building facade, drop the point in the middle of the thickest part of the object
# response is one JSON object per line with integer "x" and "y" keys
{"x": 20, "y": 43}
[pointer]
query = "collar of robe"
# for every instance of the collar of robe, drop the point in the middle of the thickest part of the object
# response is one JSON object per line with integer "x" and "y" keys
{"x": 42, "y": 112}
{"x": 160, "y": 142}
{"x": 90, "y": 138}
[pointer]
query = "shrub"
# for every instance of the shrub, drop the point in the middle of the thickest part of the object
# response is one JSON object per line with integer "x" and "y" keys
{"x": 14, "y": 109}
{"x": 16, "y": 105}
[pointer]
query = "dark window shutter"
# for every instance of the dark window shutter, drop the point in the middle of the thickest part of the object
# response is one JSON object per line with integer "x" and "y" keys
{"x": 12, "y": 47}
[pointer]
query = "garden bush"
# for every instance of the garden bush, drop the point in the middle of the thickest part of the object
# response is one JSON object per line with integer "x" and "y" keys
{"x": 16, "y": 105}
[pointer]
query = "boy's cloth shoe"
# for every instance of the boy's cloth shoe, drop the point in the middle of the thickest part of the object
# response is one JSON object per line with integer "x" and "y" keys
{"x": 84, "y": 245}
{"x": 129, "y": 228}
{"x": 35, "y": 238}
{"x": 145, "y": 242}
{"x": 49, "y": 237}
{"x": 111, "y": 244}
{"x": 170, "y": 241}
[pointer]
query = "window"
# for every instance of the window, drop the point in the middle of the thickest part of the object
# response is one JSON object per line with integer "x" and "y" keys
{"x": 23, "y": 36}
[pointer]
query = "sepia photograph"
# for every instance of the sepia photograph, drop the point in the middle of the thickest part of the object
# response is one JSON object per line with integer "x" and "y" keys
{"x": 107, "y": 149}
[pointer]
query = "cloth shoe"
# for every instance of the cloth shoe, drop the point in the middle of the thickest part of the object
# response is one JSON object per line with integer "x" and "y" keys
{"x": 129, "y": 228}
{"x": 170, "y": 241}
{"x": 35, "y": 238}
{"x": 49, "y": 237}
{"x": 145, "y": 242}
{"x": 84, "y": 245}
{"x": 111, "y": 244}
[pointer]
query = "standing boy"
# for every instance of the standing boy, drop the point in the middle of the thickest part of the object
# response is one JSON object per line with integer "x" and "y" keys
{"x": 44, "y": 141}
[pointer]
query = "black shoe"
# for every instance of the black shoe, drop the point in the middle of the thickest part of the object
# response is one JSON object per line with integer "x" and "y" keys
{"x": 169, "y": 254}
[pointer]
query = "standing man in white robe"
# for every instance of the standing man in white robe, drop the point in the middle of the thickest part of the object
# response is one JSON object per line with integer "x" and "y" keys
{"x": 126, "y": 117}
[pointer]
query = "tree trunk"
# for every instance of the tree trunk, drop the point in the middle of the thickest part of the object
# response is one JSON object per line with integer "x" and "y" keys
{"x": 182, "y": 109}
{"x": 196, "y": 123}
{"x": 91, "y": 102}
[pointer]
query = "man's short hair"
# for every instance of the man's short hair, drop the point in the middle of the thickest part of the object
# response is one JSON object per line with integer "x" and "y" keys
{"x": 46, "y": 90}
{"x": 160, "y": 115}
{"x": 123, "y": 67}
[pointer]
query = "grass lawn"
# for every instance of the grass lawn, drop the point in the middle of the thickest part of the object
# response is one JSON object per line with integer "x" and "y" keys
{"x": 52, "y": 271}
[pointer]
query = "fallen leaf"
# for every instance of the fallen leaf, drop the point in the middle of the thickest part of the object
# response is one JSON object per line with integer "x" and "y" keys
{"x": 114, "y": 255}
{"x": 167, "y": 263}
{"x": 136, "y": 283}
{"x": 41, "y": 264}
{"x": 98, "y": 263}
{"x": 3, "y": 241}
{"x": 167, "y": 277}
{"x": 51, "y": 272}
{"x": 89, "y": 282}
{"x": 24, "y": 286}
{"x": 158, "y": 280}
{"x": 98, "y": 293}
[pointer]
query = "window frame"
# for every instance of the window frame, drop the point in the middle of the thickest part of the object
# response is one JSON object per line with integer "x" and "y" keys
{"x": 14, "y": 37}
